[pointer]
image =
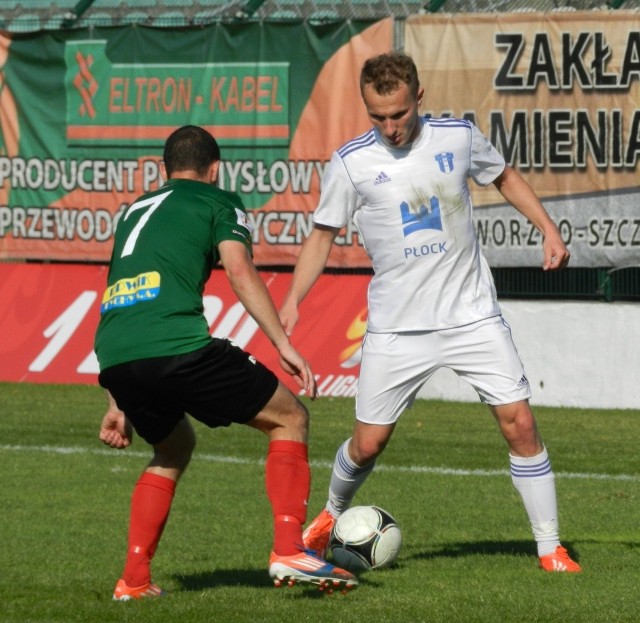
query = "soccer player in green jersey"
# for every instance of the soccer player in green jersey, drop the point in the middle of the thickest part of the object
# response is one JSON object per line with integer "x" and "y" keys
{"x": 159, "y": 363}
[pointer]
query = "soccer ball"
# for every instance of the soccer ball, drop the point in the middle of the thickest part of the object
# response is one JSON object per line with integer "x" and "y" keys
{"x": 365, "y": 537}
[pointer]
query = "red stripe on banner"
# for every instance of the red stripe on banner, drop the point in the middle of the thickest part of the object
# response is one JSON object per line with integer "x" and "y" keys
{"x": 49, "y": 314}
{"x": 103, "y": 133}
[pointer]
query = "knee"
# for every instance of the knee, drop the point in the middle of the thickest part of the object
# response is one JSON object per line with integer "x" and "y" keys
{"x": 185, "y": 442}
{"x": 528, "y": 428}
{"x": 176, "y": 452}
{"x": 523, "y": 436}
{"x": 364, "y": 450}
{"x": 525, "y": 424}
{"x": 291, "y": 423}
{"x": 174, "y": 462}
{"x": 299, "y": 418}
{"x": 516, "y": 419}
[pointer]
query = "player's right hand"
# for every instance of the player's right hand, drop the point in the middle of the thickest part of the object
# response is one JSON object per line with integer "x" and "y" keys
{"x": 116, "y": 430}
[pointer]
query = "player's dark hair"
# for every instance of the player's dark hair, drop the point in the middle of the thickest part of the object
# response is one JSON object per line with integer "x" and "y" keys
{"x": 387, "y": 71}
{"x": 190, "y": 148}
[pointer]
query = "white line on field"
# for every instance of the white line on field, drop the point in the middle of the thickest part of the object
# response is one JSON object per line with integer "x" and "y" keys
{"x": 215, "y": 458}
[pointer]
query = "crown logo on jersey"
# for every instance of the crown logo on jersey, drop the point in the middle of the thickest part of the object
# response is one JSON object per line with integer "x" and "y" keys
{"x": 445, "y": 161}
{"x": 381, "y": 179}
{"x": 424, "y": 218}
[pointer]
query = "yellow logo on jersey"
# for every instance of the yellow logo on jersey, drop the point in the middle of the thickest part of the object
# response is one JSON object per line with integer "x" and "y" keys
{"x": 131, "y": 290}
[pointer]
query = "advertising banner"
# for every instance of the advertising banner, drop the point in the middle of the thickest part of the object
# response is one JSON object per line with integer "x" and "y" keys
{"x": 559, "y": 96}
{"x": 81, "y": 132}
{"x": 49, "y": 314}
{"x": 84, "y": 115}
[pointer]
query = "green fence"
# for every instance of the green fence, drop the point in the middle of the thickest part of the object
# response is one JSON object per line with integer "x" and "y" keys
{"x": 569, "y": 284}
{"x": 618, "y": 284}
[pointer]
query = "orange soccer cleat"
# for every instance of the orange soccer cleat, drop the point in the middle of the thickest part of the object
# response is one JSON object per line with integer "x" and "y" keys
{"x": 559, "y": 562}
{"x": 306, "y": 567}
{"x": 123, "y": 592}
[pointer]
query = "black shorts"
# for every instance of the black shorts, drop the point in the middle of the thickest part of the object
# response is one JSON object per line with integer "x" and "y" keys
{"x": 218, "y": 385}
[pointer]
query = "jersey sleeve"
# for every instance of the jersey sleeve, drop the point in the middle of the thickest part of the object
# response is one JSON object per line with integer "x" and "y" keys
{"x": 486, "y": 161}
{"x": 231, "y": 222}
{"x": 338, "y": 197}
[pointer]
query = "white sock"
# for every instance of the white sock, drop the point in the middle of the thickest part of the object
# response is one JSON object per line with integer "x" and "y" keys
{"x": 346, "y": 479}
{"x": 533, "y": 478}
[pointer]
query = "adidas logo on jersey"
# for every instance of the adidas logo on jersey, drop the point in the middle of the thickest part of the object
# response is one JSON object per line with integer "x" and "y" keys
{"x": 523, "y": 382}
{"x": 381, "y": 179}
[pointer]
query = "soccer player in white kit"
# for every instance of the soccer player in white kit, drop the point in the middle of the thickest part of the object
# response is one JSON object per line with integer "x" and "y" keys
{"x": 431, "y": 301}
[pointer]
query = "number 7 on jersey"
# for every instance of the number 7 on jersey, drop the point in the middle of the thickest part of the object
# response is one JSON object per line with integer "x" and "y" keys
{"x": 152, "y": 204}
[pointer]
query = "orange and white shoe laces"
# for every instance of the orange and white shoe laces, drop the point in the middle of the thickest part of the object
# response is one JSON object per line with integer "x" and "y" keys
{"x": 316, "y": 536}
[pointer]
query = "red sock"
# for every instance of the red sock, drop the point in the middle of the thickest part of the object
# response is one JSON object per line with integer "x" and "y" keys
{"x": 288, "y": 480}
{"x": 150, "y": 506}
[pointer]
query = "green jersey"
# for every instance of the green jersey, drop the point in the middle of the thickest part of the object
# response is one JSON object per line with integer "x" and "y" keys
{"x": 165, "y": 246}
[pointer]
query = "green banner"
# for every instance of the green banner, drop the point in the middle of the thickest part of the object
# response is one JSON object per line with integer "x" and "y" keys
{"x": 138, "y": 104}
{"x": 84, "y": 115}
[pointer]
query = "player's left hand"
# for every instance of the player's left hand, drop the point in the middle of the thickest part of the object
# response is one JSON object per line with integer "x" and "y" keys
{"x": 299, "y": 368}
{"x": 116, "y": 430}
{"x": 289, "y": 316}
{"x": 556, "y": 254}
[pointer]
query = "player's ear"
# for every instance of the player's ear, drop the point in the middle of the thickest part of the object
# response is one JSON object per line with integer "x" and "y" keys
{"x": 420, "y": 95}
{"x": 213, "y": 171}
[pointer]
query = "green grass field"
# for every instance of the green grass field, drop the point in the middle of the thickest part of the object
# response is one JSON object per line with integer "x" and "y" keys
{"x": 467, "y": 554}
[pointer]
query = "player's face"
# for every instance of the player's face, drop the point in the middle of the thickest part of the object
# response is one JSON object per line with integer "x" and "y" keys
{"x": 394, "y": 115}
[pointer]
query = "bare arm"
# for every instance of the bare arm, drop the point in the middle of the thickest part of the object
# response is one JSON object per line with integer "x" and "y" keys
{"x": 254, "y": 296}
{"x": 311, "y": 262}
{"x": 514, "y": 188}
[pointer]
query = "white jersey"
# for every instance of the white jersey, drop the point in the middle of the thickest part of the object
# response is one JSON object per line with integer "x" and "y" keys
{"x": 413, "y": 210}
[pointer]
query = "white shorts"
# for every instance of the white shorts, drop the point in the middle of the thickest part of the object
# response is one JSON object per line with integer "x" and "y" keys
{"x": 396, "y": 365}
